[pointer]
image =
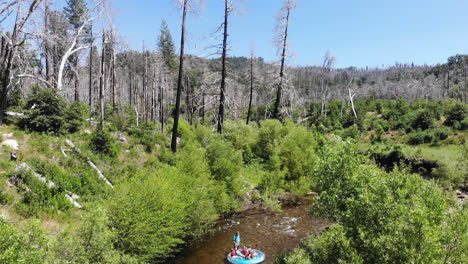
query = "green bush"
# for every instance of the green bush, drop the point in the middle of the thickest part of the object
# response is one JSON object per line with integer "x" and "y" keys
{"x": 387, "y": 217}
{"x": 6, "y": 198}
{"x": 297, "y": 154}
{"x": 28, "y": 245}
{"x": 38, "y": 197}
{"x": 420, "y": 137}
{"x": 225, "y": 163}
{"x": 43, "y": 111}
{"x": 149, "y": 217}
{"x": 269, "y": 138}
{"x": 74, "y": 116}
{"x": 421, "y": 119}
{"x": 332, "y": 246}
{"x": 243, "y": 137}
{"x": 455, "y": 114}
{"x": 352, "y": 132}
{"x": 464, "y": 124}
{"x": 103, "y": 142}
{"x": 441, "y": 133}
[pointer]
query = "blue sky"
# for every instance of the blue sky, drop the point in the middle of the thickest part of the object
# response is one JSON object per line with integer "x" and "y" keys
{"x": 358, "y": 32}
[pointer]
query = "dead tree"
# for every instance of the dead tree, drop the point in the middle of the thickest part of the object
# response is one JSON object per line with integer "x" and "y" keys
{"x": 145, "y": 85}
{"x": 281, "y": 42}
{"x": 179, "y": 79}
{"x": 91, "y": 69}
{"x": 103, "y": 76}
{"x": 9, "y": 48}
{"x": 327, "y": 66}
{"x": 74, "y": 45}
{"x": 114, "y": 92}
{"x": 252, "y": 58}
{"x": 227, "y": 11}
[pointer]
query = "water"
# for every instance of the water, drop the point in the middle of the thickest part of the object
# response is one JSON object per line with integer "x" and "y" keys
{"x": 272, "y": 232}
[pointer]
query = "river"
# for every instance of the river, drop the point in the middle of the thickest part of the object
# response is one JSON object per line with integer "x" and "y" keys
{"x": 271, "y": 232}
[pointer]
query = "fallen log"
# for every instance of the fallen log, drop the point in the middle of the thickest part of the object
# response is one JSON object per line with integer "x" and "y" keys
{"x": 76, "y": 149}
{"x": 49, "y": 184}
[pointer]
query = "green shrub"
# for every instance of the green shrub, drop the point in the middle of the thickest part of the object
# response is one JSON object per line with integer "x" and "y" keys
{"x": 38, "y": 197}
{"x": 28, "y": 245}
{"x": 269, "y": 138}
{"x": 74, "y": 116}
{"x": 388, "y": 218}
{"x": 243, "y": 137}
{"x": 464, "y": 124}
{"x": 103, "y": 142}
{"x": 6, "y": 198}
{"x": 184, "y": 131}
{"x": 422, "y": 119}
{"x": 43, "y": 111}
{"x": 332, "y": 246}
{"x": 379, "y": 131}
{"x": 441, "y": 133}
{"x": 455, "y": 114}
{"x": 447, "y": 177}
{"x": 352, "y": 132}
{"x": 225, "y": 163}
{"x": 148, "y": 215}
{"x": 194, "y": 176}
{"x": 297, "y": 154}
{"x": 420, "y": 137}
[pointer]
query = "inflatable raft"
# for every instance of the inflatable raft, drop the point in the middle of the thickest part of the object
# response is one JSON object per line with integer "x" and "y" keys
{"x": 259, "y": 257}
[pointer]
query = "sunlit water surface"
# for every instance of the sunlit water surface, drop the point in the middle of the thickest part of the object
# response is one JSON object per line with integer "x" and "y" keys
{"x": 272, "y": 232}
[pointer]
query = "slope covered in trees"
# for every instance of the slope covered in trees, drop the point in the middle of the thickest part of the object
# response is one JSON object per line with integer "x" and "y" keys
{"x": 119, "y": 162}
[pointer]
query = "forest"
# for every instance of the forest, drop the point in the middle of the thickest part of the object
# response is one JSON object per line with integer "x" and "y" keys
{"x": 114, "y": 155}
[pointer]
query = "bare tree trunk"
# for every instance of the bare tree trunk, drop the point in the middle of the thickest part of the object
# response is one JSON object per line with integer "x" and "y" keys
{"x": 77, "y": 79}
{"x": 351, "y": 99}
{"x": 257, "y": 114}
{"x": 203, "y": 107}
{"x": 187, "y": 98}
{"x": 103, "y": 74}
{"x": 136, "y": 96}
{"x": 179, "y": 81}
{"x": 46, "y": 42}
{"x": 161, "y": 106}
{"x": 223, "y": 71}
{"x": 91, "y": 72}
{"x": 153, "y": 95}
{"x": 130, "y": 88}
{"x": 55, "y": 58}
{"x": 448, "y": 82}
{"x": 145, "y": 85}
{"x": 276, "y": 112}
{"x": 114, "y": 92}
{"x": 251, "y": 85}
{"x": 465, "y": 80}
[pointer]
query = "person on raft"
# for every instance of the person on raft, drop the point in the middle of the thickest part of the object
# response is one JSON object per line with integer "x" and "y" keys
{"x": 237, "y": 240}
{"x": 234, "y": 254}
{"x": 247, "y": 254}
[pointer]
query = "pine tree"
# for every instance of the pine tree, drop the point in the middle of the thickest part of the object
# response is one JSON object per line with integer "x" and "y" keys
{"x": 166, "y": 46}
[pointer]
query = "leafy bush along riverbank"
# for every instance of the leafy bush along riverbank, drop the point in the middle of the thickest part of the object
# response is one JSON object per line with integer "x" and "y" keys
{"x": 381, "y": 217}
{"x": 160, "y": 201}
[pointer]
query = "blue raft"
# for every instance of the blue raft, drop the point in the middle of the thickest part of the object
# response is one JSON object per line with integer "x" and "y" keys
{"x": 258, "y": 258}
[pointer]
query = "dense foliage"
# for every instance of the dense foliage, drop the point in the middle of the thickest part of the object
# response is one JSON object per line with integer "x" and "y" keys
{"x": 381, "y": 217}
{"x": 162, "y": 201}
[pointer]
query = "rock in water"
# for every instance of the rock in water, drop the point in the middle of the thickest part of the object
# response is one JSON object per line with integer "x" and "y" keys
{"x": 11, "y": 143}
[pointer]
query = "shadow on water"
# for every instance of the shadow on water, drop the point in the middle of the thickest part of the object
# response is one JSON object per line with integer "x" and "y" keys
{"x": 270, "y": 232}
